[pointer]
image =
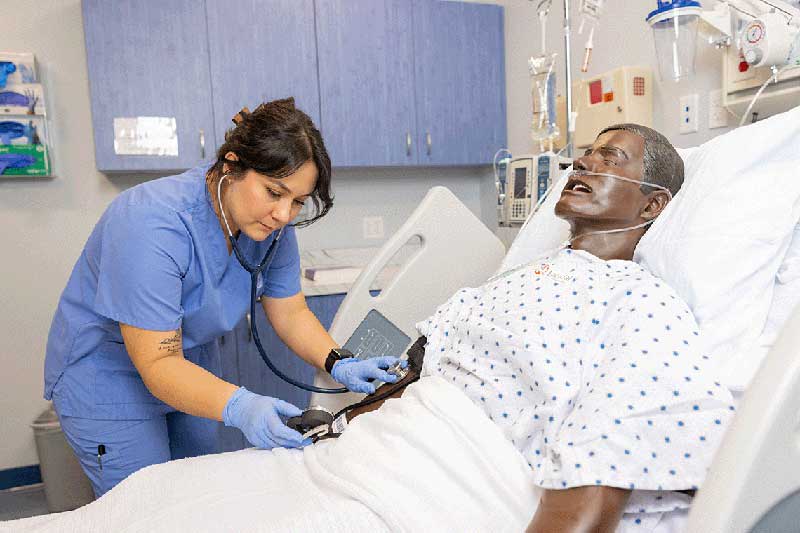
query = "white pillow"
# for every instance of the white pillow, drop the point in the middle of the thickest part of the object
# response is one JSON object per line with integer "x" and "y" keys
{"x": 721, "y": 241}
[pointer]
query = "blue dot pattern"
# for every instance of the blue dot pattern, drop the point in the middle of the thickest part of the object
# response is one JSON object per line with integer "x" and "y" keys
{"x": 593, "y": 369}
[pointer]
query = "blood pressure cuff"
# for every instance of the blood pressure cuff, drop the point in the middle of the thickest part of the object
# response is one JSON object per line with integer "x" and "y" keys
{"x": 416, "y": 354}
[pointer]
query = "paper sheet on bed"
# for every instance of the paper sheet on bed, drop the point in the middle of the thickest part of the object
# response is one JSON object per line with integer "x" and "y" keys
{"x": 452, "y": 471}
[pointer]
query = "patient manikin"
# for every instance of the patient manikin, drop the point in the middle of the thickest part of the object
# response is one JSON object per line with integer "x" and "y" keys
{"x": 570, "y": 355}
{"x": 574, "y": 184}
{"x": 570, "y": 393}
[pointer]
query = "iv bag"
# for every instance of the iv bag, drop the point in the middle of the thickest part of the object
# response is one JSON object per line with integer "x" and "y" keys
{"x": 544, "y": 125}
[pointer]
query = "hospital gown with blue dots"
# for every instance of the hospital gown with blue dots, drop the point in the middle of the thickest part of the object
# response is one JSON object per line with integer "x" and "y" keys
{"x": 594, "y": 370}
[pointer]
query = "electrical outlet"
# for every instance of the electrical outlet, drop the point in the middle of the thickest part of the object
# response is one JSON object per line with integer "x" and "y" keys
{"x": 373, "y": 227}
{"x": 690, "y": 104}
{"x": 717, "y": 114}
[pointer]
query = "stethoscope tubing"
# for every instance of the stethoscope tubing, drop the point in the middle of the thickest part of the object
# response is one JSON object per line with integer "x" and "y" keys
{"x": 262, "y": 352}
{"x": 254, "y": 272}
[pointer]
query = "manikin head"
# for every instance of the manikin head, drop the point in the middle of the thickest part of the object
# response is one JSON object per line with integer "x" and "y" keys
{"x": 600, "y": 203}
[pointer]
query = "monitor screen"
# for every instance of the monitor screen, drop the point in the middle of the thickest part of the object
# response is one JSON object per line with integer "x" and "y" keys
{"x": 520, "y": 182}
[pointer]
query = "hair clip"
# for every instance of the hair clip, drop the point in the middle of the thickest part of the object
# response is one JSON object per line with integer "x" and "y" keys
{"x": 240, "y": 116}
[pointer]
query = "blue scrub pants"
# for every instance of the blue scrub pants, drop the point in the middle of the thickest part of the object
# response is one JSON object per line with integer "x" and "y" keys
{"x": 134, "y": 444}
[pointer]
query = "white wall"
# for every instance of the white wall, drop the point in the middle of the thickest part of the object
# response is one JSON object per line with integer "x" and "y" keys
{"x": 45, "y": 222}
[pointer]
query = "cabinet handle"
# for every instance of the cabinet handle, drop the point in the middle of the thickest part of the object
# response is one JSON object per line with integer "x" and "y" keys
{"x": 428, "y": 141}
{"x": 202, "y": 144}
{"x": 249, "y": 328}
{"x": 408, "y": 143}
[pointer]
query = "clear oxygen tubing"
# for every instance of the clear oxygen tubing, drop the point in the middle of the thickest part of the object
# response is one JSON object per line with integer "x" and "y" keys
{"x": 621, "y": 178}
{"x": 569, "y": 241}
{"x": 255, "y": 271}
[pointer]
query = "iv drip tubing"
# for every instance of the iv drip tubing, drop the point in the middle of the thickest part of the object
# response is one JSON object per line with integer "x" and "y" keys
{"x": 568, "y": 59}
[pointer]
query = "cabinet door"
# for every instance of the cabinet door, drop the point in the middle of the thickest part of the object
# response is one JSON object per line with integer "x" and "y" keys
{"x": 460, "y": 82}
{"x": 366, "y": 81}
{"x": 149, "y": 58}
{"x": 261, "y": 50}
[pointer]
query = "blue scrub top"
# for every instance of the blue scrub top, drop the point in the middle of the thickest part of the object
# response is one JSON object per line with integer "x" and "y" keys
{"x": 156, "y": 260}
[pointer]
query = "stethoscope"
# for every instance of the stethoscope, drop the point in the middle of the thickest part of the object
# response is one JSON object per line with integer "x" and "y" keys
{"x": 255, "y": 271}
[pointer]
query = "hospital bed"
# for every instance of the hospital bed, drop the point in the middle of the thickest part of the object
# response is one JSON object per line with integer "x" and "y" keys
{"x": 754, "y": 482}
{"x": 739, "y": 208}
{"x": 449, "y": 235}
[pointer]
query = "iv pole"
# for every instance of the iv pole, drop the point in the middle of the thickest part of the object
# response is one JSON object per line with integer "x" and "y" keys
{"x": 568, "y": 59}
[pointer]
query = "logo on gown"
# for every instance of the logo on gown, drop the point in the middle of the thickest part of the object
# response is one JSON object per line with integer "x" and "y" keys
{"x": 544, "y": 269}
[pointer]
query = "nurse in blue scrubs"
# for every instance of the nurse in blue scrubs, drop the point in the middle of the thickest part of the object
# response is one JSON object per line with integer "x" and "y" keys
{"x": 132, "y": 351}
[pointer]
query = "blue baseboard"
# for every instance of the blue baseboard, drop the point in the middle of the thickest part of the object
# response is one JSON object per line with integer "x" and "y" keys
{"x": 20, "y": 476}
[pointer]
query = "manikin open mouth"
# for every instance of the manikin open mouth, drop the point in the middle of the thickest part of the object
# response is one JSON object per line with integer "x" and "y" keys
{"x": 577, "y": 185}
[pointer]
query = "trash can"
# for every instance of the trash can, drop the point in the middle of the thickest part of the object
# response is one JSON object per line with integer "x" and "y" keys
{"x": 66, "y": 486}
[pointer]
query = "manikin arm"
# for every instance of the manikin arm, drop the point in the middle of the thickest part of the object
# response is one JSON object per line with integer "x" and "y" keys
{"x": 596, "y": 509}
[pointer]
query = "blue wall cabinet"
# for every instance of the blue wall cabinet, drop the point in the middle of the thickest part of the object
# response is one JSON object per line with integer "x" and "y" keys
{"x": 260, "y": 51}
{"x": 149, "y": 59}
{"x": 459, "y": 82}
{"x": 405, "y": 82}
{"x": 366, "y": 78}
{"x": 389, "y": 82}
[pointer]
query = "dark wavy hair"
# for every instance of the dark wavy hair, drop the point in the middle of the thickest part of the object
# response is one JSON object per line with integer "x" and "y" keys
{"x": 275, "y": 140}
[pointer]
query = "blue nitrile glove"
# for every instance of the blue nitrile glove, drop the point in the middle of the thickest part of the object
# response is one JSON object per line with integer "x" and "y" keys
{"x": 353, "y": 372}
{"x": 259, "y": 418}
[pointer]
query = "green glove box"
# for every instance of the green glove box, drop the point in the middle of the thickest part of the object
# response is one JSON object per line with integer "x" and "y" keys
{"x": 39, "y": 167}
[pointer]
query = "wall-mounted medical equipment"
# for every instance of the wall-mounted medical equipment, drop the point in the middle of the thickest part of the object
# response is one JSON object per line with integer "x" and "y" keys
{"x": 758, "y": 92}
{"x": 529, "y": 177}
{"x": 768, "y": 40}
{"x": 764, "y": 31}
{"x": 621, "y": 95}
{"x": 674, "y": 24}
{"x": 23, "y": 119}
{"x": 761, "y": 63}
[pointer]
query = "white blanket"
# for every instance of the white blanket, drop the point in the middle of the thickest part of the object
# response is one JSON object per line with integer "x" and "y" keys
{"x": 428, "y": 462}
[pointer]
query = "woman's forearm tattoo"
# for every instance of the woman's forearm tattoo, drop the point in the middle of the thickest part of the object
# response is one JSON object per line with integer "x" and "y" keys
{"x": 172, "y": 344}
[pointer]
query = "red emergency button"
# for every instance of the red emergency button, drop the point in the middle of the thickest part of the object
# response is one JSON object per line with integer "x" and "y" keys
{"x": 744, "y": 66}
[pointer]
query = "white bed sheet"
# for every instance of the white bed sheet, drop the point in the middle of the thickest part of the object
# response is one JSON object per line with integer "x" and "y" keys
{"x": 452, "y": 470}
{"x": 430, "y": 461}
